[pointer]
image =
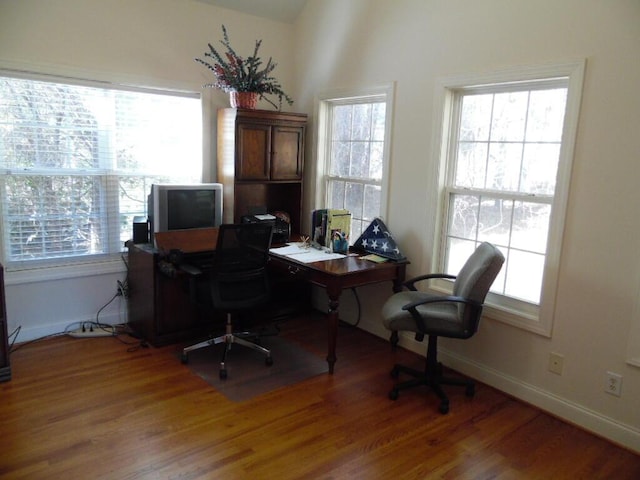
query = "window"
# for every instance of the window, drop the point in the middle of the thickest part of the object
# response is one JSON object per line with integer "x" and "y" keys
{"x": 353, "y": 155}
{"x": 507, "y": 165}
{"x": 77, "y": 162}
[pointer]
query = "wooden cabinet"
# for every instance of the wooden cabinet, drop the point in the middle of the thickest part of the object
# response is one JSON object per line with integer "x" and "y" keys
{"x": 261, "y": 162}
{"x": 5, "y": 366}
{"x": 165, "y": 306}
{"x": 161, "y": 309}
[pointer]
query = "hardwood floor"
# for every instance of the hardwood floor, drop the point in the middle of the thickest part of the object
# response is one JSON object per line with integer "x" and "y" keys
{"x": 92, "y": 409}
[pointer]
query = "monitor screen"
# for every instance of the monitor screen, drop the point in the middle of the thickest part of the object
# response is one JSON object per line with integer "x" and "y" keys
{"x": 190, "y": 209}
{"x": 180, "y": 207}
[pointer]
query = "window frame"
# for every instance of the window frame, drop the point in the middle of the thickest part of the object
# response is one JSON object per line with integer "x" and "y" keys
{"x": 109, "y": 261}
{"x": 323, "y": 117}
{"x": 534, "y": 318}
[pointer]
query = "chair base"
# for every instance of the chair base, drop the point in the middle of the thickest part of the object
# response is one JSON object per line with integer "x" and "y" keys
{"x": 433, "y": 380}
{"x": 431, "y": 376}
{"x": 229, "y": 339}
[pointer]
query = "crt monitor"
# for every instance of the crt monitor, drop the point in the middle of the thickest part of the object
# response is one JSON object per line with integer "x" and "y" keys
{"x": 179, "y": 207}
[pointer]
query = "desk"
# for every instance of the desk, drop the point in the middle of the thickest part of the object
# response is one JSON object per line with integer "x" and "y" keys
{"x": 335, "y": 276}
{"x": 159, "y": 307}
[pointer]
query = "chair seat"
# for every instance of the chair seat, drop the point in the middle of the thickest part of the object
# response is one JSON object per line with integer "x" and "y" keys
{"x": 443, "y": 317}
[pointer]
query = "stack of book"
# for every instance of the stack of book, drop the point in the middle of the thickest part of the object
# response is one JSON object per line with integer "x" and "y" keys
{"x": 331, "y": 228}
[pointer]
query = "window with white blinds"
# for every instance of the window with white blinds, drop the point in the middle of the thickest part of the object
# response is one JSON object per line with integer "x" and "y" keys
{"x": 77, "y": 163}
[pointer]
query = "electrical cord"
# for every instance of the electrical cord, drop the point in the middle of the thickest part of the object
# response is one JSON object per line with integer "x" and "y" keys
{"x": 15, "y": 333}
{"x": 35, "y": 340}
{"x": 115, "y": 330}
{"x": 357, "y": 322}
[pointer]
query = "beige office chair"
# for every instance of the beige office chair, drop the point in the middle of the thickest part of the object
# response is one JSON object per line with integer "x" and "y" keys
{"x": 238, "y": 282}
{"x": 452, "y": 316}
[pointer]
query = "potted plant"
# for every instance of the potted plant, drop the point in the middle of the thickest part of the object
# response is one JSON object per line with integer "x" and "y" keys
{"x": 245, "y": 79}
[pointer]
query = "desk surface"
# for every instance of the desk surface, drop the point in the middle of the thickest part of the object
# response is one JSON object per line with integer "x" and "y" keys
{"x": 349, "y": 269}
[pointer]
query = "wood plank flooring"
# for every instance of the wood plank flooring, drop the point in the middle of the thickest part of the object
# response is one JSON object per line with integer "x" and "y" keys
{"x": 99, "y": 409}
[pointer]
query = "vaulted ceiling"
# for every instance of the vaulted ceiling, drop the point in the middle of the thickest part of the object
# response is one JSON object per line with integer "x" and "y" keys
{"x": 280, "y": 10}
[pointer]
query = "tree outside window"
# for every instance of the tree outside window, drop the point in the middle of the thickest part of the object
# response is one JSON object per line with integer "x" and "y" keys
{"x": 355, "y": 156}
{"x": 507, "y": 148}
{"x": 77, "y": 162}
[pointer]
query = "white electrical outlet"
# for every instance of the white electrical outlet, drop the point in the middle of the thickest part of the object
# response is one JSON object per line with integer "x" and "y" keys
{"x": 556, "y": 362}
{"x": 613, "y": 384}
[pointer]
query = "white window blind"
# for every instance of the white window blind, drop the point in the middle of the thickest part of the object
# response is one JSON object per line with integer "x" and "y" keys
{"x": 77, "y": 162}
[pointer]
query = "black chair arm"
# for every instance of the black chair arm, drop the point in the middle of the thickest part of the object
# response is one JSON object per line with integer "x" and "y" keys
{"x": 190, "y": 269}
{"x": 410, "y": 284}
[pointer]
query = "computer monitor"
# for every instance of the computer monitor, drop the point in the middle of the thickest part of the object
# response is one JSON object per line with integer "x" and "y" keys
{"x": 180, "y": 207}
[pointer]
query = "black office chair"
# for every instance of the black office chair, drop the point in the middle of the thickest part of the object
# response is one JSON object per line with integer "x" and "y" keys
{"x": 453, "y": 316}
{"x": 238, "y": 283}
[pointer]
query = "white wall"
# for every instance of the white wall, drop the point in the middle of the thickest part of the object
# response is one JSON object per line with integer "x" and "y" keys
{"x": 414, "y": 42}
{"x": 148, "y": 42}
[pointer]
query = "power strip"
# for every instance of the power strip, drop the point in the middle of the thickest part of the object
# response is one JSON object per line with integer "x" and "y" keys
{"x": 89, "y": 333}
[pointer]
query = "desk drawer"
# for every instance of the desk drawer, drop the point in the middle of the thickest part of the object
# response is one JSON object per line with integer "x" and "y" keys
{"x": 290, "y": 290}
{"x": 292, "y": 270}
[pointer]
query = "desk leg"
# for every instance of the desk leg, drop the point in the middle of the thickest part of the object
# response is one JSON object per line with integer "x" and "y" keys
{"x": 398, "y": 282}
{"x": 332, "y": 327}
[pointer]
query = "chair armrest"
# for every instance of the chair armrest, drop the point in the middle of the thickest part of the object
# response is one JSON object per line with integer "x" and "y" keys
{"x": 410, "y": 284}
{"x": 190, "y": 269}
{"x": 411, "y": 308}
{"x": 448, "y": 298}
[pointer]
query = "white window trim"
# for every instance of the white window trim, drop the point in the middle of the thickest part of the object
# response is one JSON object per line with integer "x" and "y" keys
{"x": 322, "y": 132}
{"x": 633, "y": 347}
{"x": 525, "y": 316}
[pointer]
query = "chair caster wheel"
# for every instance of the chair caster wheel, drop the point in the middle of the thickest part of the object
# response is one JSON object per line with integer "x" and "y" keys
{"x": 393, "y": 394}
{"x": 184, "y": 358}
{"x": 395, "y": 373}
{"x": 223, "y": 374}
{"x": 268, "y": 361}
{"x": 470, "y": 391}
{"x": 444, "y": 408}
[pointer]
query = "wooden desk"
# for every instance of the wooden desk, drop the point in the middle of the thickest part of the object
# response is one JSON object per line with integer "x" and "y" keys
{"x": 335, "y": 276}
{"x": 159, "y": 307}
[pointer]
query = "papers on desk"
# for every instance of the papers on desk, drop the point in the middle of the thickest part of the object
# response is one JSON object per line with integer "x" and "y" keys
{"x": 305, "y": 255}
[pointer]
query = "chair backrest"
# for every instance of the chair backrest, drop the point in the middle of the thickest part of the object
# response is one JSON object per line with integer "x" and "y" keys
{"x": 474, "y": 281}
{"x": 239, "y": 277}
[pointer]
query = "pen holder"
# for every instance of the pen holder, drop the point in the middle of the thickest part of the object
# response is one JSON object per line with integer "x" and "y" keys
{"x": 340, "y": 244}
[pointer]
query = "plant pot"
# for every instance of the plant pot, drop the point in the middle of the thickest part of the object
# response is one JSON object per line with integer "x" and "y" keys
{"x": 243, "y": 99}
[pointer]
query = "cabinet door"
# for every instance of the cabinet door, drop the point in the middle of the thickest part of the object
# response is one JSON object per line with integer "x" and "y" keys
{"x": 253, "y": 152}
{"x": 288, "y": 146}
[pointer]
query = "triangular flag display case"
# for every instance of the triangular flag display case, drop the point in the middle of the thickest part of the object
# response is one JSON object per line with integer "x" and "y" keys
{"x": 377, "y": 239}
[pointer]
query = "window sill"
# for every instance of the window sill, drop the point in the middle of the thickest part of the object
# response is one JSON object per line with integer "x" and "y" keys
{"x": 50, "y": 273}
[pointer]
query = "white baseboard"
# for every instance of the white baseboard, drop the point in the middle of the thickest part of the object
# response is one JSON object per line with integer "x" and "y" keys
{"x": 571, "y": 412}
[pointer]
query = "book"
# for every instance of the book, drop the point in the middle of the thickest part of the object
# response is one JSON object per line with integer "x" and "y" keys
{"x": 318, "y": 225}
{"x": 372, "y": 257}
{"x": 338, "y": 228}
